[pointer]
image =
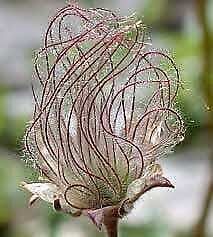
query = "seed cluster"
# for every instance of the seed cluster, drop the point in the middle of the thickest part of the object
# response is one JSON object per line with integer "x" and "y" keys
{"x": 103, "y": 112}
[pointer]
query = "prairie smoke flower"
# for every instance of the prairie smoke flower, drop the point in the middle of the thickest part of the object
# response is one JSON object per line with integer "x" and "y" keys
{"x": 103, "y": 115}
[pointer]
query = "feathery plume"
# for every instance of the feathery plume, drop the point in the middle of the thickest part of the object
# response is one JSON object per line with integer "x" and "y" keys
{"x": 104, "y": 115}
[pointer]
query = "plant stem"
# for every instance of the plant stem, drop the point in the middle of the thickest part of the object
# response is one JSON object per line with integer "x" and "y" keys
{"x": 112, "y": 228}
{"x": 207, "y": 86}
{"x": 199, "y": 229}
{"x": 111, "y": 222}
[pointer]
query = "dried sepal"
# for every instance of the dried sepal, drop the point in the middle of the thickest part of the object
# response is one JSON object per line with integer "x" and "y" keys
{"x": 45, "y": 191}
{"x": 152, "y": 178}
{"x": 96, "y": 216}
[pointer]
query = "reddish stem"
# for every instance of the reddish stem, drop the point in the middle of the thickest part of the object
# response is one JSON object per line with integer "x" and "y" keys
{"x": 111, "y": 222}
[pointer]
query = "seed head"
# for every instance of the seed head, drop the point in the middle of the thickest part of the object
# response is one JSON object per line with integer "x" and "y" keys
{"x": 103, "y": 114}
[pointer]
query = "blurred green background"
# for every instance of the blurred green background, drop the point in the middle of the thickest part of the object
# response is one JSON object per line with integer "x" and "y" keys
{"x": 185, "y": 28}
